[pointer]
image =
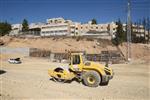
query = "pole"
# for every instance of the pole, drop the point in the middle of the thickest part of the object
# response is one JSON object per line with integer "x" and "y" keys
{"x": 129, "y": 32}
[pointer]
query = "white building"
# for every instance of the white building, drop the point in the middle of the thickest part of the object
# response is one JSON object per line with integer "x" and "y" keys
{"x": 35, "y": 25}
{"x": 16, "y": 29}
{"x": 34, "y": 29}
{"x": 55, "y": 29}
{"x": 56, "y": 26}
{"x": 55, "y": 20}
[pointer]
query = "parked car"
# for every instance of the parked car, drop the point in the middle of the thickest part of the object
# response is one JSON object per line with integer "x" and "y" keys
{"x": 14, "y": 61}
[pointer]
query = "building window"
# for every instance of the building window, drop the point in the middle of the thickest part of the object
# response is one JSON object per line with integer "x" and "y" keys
{"x": 55, "y": 21}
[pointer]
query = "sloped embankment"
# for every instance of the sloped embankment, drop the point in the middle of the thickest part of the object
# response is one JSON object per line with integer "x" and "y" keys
{"x": 91, "y": 46}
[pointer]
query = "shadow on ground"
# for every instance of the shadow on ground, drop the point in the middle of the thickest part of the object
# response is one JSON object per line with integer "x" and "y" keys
{"x": 2, "y": 72}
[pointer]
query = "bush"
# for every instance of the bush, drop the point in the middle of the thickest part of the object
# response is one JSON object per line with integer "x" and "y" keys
{"x": 78, "y": 38}
{"x": 90, "y": 39}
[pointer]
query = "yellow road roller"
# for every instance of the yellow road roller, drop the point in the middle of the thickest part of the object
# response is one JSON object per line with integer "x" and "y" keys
{"x": 92, "y": 74}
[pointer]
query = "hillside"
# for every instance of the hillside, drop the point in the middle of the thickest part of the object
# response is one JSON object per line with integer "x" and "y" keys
{"x": 61, "y": 44}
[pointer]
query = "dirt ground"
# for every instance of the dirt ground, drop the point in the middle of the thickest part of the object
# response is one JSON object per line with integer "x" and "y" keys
{"x": 30, "y": 81}
{"x": 61, "y": 44}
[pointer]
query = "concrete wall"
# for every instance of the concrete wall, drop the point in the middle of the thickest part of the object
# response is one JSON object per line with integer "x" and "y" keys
{"x": 9, "y": 50}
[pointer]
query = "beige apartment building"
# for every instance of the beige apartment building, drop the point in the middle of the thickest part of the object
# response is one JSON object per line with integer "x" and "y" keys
{"x": 60, "y": 26}
{"x": 105, "y": 31}
{"x": 138, "y": 30}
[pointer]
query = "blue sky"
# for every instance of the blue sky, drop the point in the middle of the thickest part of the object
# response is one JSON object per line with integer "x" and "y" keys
{"x": 14, "y": 11}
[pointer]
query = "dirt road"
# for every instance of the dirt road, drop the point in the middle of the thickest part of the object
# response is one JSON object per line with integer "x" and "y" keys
{"x": 30, "y": 80}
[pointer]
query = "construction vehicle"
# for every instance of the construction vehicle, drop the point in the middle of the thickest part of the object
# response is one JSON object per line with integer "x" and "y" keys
{"x": 92, "y": 74}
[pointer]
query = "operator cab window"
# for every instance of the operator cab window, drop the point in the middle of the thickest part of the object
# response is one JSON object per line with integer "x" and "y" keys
{"x": 76, "y": 59}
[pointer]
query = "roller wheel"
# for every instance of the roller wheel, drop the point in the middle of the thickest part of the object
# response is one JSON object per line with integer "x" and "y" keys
{"x": 91, "y": 79}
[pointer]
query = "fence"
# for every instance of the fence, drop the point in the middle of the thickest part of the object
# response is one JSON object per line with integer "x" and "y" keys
{"x": 104, "y": 56}
{"x": 34, "y": 52}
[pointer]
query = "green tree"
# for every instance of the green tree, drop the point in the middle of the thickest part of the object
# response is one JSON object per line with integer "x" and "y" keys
{"x": 120, "y": 35}
{"x": 94, "y": 21}
{"x": 5, "y": 28}
{"x": 25, "y": 26}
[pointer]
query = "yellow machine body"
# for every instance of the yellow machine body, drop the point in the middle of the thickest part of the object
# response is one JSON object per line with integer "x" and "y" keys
{"x": 86, "y": 71}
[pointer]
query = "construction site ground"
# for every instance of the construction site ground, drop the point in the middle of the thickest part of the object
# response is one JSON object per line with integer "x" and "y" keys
{"x": 30, "y": 81}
